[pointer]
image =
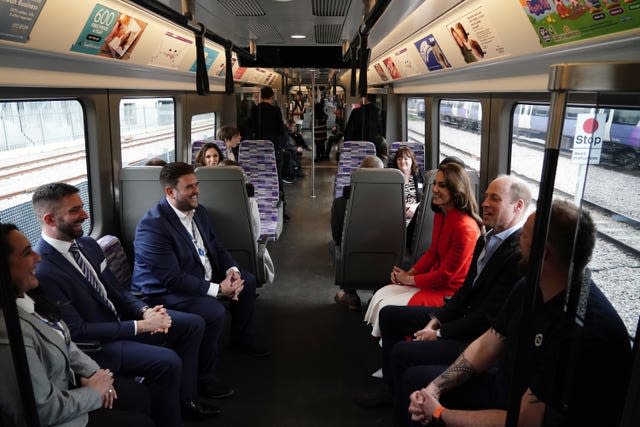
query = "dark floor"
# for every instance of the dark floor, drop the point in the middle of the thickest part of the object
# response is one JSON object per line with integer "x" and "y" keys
{"x": 323, "y": 354}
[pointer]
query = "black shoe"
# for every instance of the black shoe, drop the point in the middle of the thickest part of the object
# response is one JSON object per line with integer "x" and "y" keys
{"x": 253, "y": 349}
{"x": 194, "y": 410}
{"x": 377, "y": 399}
{"x": 288, "y": 179}
{"x": 300, "y": 174}
{"x": 215, "y": 390}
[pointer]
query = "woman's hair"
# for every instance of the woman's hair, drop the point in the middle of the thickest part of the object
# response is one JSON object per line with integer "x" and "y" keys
{"x": 459, "y": 185}
{"x": 225, "y": 133}
{"x": 406, "y": 152}
{"x": 43, "y": 306}
{"x": 203, "y": 151}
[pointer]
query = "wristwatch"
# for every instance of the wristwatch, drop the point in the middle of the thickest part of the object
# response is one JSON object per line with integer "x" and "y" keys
{"x": 438, "y": 334}
{"x": 436, "y": 418}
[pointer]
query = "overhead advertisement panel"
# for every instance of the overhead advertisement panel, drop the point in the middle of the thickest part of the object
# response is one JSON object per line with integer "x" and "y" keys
{"x": 17, "y": 18}
{"x": 563, "y": 21}
{"x": 109, "y": 33}
{"x": 476, "y": 37}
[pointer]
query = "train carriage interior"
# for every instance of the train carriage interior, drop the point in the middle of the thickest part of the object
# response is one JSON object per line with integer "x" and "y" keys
{"x": 93, "y": 91}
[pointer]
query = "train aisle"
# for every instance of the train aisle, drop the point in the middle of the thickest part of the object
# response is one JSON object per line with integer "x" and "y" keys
{"x": 322, "y": 353}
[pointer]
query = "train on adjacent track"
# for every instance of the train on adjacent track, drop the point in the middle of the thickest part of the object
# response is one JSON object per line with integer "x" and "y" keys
{"x": 89, "y": 94}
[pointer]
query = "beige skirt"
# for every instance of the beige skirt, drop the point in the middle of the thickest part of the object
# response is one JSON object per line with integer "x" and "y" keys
{"x": 388, "y": 295}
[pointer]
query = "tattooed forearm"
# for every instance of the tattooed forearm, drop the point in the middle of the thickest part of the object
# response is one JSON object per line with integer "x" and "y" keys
{"x": 458, "y": 373}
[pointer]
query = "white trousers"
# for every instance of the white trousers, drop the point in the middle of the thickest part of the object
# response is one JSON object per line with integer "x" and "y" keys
{"x": 388, "y": 295}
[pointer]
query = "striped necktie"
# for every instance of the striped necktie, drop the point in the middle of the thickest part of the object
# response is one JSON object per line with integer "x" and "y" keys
{"x": 91, "y": 278}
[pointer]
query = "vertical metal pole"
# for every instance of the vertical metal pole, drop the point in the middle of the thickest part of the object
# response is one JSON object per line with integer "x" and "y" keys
{"x": 313, "y": 134}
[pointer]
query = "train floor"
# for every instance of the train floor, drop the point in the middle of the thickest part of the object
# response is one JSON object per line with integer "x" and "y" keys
{"x": 322, "y": 353}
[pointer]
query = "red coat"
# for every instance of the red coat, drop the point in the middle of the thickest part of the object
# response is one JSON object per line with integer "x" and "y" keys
{"x": 443, "y": 267}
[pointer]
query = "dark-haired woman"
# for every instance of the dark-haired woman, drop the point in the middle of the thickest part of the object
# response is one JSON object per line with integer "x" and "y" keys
{"x": 442, "y": 268}
{"x": 209, "y": 155}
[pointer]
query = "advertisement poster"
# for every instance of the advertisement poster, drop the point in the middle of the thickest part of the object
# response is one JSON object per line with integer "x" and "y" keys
{"x": 170, "y": 51}
{"x": 563, "y": 21}
{"x": 476, "y": 38}
{"x": 17, "y": 18}
{"x": 109, "y": 33}
{"x": 391, "y": 67}
{"x": 222, "y": 68}
{"x": 380, "y": 72}
{"x": 210, "y": 56}
{"x": 431, "y": 53}
{"x": 237, "y": 75}
{"x": 403, "y": 62}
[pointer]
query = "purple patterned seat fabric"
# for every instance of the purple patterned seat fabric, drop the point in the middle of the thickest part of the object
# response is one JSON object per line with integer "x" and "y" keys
{"x": 351, "y": 155}
{"x": 257, "y": 158}
{"x": 116, "y": 259}
{"x": 416, "y": 147}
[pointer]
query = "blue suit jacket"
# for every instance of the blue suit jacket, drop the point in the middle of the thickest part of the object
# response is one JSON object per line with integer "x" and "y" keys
{"x": 87, "y": 316}
{"x": 166, "y": 260}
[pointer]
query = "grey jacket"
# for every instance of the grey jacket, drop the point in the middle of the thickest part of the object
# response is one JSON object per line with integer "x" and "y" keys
{"x": 53, "y": 365}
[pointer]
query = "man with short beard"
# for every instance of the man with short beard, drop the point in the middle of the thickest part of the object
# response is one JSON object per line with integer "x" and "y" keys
{"x": 73, "y": 273}
{"x": 597, "y": 357}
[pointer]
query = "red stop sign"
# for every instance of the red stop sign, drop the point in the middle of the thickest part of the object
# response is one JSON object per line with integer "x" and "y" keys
{"x": 590, "y": 126}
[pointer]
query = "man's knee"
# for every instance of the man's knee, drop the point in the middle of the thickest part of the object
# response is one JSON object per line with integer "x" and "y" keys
{"x": 186, "y": 323}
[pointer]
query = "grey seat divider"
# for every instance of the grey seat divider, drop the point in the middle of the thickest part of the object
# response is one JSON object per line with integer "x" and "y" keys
{"x": 224, "y": 195}
{"x": 373, "y": 238}
{"x": 140, "y": 190}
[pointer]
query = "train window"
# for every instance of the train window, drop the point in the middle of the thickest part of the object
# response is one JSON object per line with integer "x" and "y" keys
{"x": 415, "y": 120}
{"x": 460, "y": 124}
{"x": 203, "y": 126}
{"x": 609, "y": 190}
{"x": 41, "y": 142}
{"x": 147, "y": 130}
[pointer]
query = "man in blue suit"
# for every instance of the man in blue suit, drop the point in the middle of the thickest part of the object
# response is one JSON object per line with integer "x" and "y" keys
{"x": 179, "y": 263}
{"x": 73, "y": 273}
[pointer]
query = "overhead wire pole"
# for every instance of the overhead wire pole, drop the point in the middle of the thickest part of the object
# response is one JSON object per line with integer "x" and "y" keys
{"x": 313, "y": 134}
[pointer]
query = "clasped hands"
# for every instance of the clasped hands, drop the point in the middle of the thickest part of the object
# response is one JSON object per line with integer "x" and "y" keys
{"x": 423, "y": 403}
{"x": 102, "y": 382}
{"x": 232, "y": 285}
{"x": 402, "y": 277}
{"x": 155, "y": 320}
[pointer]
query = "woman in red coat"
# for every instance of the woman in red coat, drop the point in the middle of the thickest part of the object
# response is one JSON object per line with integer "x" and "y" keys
{"x": 443, "y": 267}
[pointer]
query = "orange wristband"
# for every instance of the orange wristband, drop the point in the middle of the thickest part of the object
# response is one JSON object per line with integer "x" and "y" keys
{"x": 437, "y": 414}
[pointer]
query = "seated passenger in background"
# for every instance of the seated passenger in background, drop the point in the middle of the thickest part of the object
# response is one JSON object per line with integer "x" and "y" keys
{"x": 347, "y": 297}
{"x": 55, "y": 363}
{"x": 569, "y": 377}
{"x": 231, "y": 137}
{"x": 382, "y": 151}
{"x": 405, "y": 162}
{"x": 297, "y": 136}
{"x": 443, "y": 267}
{"x": 208, "y": 155}
{"x": 155, "y": 162}
{"x": 179, "y": 263}
{"x": 135, "y": 339}
{"x": 492, "y": 274}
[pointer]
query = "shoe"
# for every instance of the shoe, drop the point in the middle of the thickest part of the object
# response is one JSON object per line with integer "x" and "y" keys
{"x": 288, "y": 180}
{"x": 300, "y": 174}
{"x": 253, "y": 349}
{"x": 194, "y": 410}
{"x": 352, "y": 301}
{"x": 377, "y": 399}
{"x": 215, "y": 390}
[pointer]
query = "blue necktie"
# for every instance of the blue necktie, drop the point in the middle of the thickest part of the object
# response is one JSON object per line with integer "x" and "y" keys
{"x": 91, "y": 278}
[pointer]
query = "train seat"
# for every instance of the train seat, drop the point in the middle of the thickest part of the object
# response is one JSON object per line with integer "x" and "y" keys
{"x": 117, "y": 259}
{"x": 416, "y": 147}
{"x": 196, "y": 145}
{"x": 351, "y": 155}
{"x": 140, "y": 190}
{"x": 258, "y": 159}
{"x": 424, "y": 222}
{"x": 373, "y": 239}
{"x": 223, "y": 193}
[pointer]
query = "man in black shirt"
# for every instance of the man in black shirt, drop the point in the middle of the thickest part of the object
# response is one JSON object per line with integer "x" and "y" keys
{"x": 592, "y": 395}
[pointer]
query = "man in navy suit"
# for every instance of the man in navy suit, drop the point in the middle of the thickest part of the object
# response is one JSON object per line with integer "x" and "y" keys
{"x": 179, "y": 263}
{"x": 73, "y": 273}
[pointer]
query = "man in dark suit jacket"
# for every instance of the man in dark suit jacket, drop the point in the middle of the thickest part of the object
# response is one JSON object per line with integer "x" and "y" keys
{"x": 492, "y": 274}
{"x": 179, "y": 263}
{"x": 74, "y": 274}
